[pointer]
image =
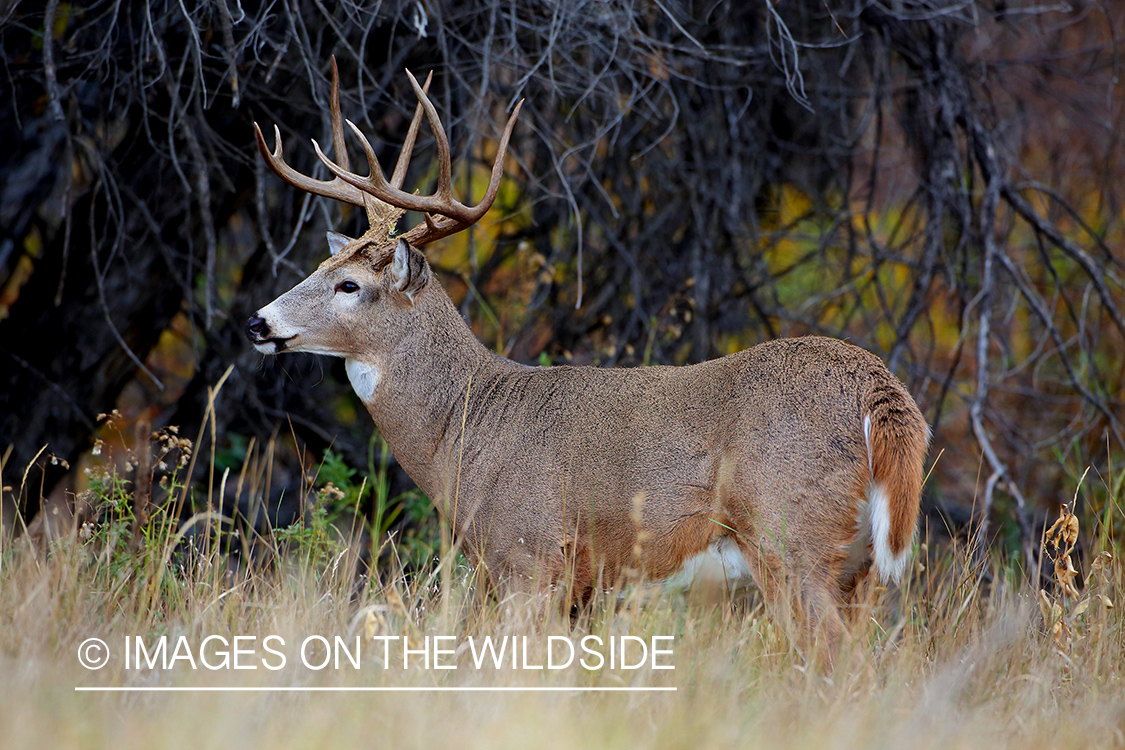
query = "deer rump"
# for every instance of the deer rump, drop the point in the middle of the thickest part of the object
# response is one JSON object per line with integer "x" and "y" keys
{"x": 805, "y": 454}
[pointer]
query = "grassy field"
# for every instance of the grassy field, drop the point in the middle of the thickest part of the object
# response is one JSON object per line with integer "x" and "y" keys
{"x": 966, "y": 654}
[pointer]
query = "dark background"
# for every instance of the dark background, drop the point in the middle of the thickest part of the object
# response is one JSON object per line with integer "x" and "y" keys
{"x": 939, "y": 183}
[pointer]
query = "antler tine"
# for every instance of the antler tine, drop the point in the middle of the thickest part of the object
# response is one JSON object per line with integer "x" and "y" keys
{"x": 436, "y": 228}
{"x": 473, "y": 214}
{"x": 408, "y": 145}
{"x": 375, "y": 184}
{"x": 379, "y": 211}
{"x": 339, "y": 149}
{"x": 445, "y": 162}
{"x": 481, "y": 208}
{"x": 335, "y": 188}
{"x": 375, "y": 212}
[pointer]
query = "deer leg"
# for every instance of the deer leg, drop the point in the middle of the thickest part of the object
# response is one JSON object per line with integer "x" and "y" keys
{"x": 807, "y": 607}
{"x": 858, "y": 592}
{"x": 766, "y": 570}
{"x": 822, "y": 626}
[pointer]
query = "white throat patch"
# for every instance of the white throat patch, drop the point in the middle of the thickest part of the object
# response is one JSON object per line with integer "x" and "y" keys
{"x": 363, "y": 377}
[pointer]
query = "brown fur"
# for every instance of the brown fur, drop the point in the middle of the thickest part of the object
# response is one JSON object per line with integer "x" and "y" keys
{"x": 575, "y": 475}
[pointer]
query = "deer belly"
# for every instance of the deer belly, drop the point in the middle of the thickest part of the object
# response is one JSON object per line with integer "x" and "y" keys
{"x": 721, "y": 564}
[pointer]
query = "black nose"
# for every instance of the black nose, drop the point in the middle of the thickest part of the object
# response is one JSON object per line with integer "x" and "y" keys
{"x": 257, "y": 328}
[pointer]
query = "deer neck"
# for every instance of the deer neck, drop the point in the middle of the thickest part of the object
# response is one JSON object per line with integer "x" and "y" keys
{"x": 415, "y": 389}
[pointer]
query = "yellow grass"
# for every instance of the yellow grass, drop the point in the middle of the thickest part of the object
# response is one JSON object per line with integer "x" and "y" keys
{"x": 951, "y": 660}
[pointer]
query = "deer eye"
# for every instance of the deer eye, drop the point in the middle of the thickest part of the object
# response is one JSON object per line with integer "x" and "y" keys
{"x": 347, "y": 287}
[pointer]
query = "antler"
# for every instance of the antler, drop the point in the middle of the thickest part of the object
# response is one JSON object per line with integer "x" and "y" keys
{"x": 384, "y": 199}
{"x": 379, "y": 213}
{"x": 444, "y": 214}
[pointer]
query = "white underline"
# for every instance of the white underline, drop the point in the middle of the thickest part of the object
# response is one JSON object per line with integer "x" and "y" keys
{"x": 367, "y": 689}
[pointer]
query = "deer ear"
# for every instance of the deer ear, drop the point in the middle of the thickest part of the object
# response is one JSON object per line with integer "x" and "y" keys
{"x": 409, "y": 270}
{"x": 337, "y": 241}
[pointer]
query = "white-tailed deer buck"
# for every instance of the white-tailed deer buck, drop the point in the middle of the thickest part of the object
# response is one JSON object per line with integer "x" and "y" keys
{"x": 805, "y": 455}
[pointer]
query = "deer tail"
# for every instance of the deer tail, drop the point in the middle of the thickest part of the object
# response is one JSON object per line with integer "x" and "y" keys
{"x": 897, "y": 437}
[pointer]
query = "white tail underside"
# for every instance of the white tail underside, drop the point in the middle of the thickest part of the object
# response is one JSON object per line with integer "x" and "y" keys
{"x": 877, "y": 524}
{"x": 889, "y": 565}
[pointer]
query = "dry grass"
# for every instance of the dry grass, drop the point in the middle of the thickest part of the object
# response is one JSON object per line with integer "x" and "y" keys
{"x": 947, "y": 661}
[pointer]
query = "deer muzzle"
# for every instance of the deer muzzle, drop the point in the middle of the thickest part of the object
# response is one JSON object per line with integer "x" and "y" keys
{"x": 259, "y": 333}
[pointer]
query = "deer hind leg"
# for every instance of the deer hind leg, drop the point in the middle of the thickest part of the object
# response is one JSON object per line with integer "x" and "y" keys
{"x": 805, "y": 604}
{"x": 823, "y": 628}
{"x": 767, "y": 571}
{"x": 857, "y": 592}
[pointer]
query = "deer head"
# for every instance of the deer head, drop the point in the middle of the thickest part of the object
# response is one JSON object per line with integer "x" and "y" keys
{"x": 363, "y": 297}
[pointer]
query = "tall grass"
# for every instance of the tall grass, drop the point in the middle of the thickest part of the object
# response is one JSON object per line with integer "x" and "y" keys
{"x": 967, "y": 654}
